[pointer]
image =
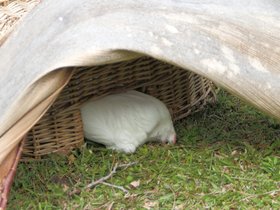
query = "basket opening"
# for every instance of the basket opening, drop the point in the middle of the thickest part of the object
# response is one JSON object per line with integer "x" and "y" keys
{"x": 60, "y": 129}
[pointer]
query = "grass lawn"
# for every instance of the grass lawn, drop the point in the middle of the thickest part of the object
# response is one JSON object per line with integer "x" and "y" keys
{"x": 227, "y": 157}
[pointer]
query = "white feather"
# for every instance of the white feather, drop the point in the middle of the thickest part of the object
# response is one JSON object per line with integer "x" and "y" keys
{"x": 126, "y": 120}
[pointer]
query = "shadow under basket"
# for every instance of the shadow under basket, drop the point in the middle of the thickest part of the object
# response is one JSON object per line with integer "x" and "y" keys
{"x": 61, "y": 129}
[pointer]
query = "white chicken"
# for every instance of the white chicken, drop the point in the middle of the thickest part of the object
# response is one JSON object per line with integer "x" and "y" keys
{"x": 126, "y": 120}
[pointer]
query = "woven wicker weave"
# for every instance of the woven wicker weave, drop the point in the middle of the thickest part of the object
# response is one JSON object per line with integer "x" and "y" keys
{"x": 61, "y": 127}
{"x": 11, "y": 12}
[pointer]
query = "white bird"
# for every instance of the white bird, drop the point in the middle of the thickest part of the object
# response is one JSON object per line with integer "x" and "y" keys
{"x": 126, "y": 120}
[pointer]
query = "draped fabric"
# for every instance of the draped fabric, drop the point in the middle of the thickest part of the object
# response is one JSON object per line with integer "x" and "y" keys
{"x": 234, "y": 43}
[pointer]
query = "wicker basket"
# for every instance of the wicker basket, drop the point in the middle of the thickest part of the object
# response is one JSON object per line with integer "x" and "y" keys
{"x": 61, "y": 129}
{"x": 11, "y": 11}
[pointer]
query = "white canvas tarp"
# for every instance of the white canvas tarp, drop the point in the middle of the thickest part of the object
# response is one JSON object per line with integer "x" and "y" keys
{"x": 234, "y": 43}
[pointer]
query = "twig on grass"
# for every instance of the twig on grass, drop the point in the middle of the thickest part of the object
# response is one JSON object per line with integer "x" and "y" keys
{"x": 116, "y": 186}
{"x": 114, "y": 170}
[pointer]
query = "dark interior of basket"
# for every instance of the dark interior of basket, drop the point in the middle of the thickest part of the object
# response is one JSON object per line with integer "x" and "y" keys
{"x": 60, "y": 129}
